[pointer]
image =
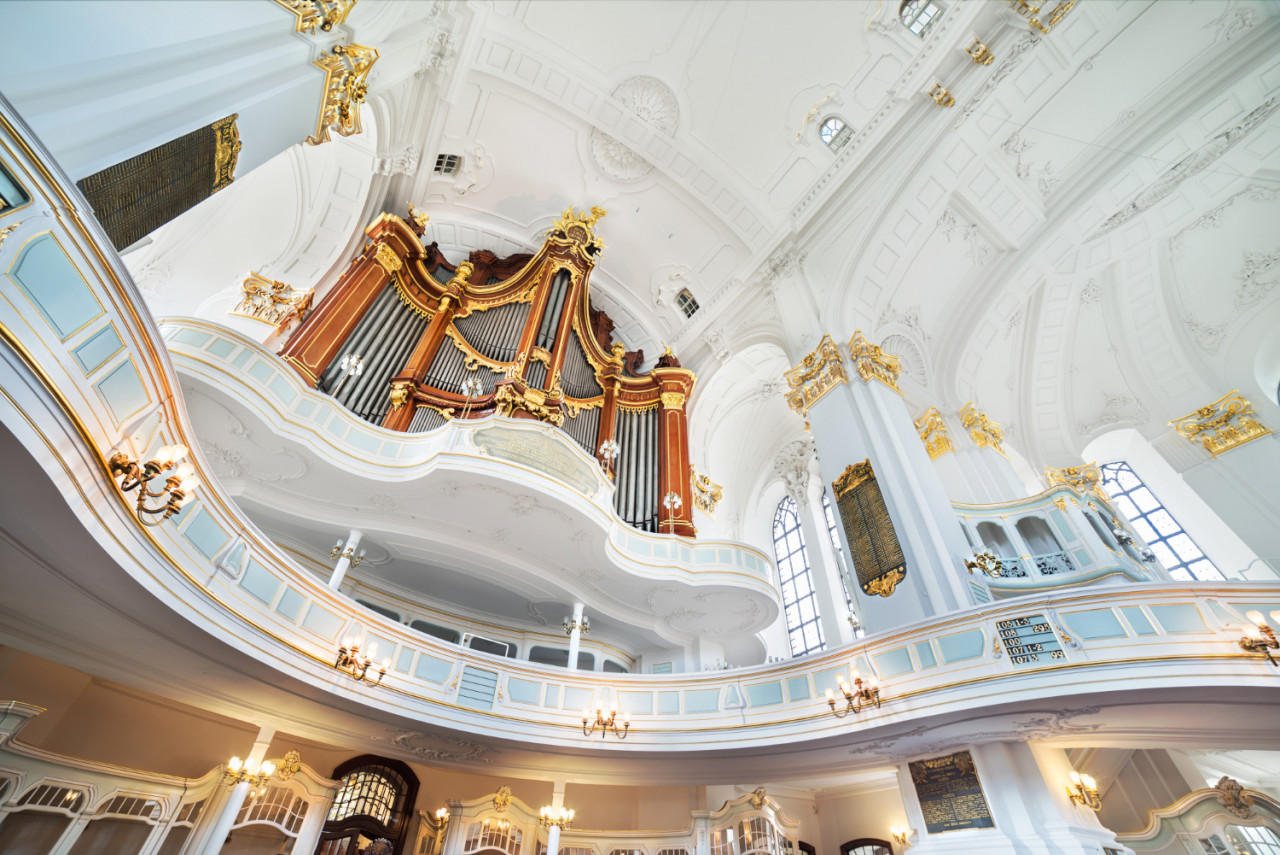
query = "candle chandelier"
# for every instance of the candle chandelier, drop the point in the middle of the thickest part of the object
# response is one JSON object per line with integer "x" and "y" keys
{"x": 356, "y": 666}
{"x": 557, "y": 817}
{"x": 1259, "y": 637}
{"x": 856, "y": 696}
{"x": 138, "y": 476}
{"x": 605, "y": 725}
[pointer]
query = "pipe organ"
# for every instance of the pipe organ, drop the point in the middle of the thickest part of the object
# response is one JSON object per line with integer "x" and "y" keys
{"x": 515, "y": 336}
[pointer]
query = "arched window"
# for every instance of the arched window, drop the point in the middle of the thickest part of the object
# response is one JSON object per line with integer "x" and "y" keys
{"x": 1256, "y": 840}
{"x": 798, "y": 599}
{"x": 1168, "y": 540}
{"x": 917, "y": 15}
{"x": 835, "y": 133}
{"x": 374, "y": 802}
{"x": 686, "y": 302}
{"x": 835, "y": 543}
{"x": 866, "y": 846}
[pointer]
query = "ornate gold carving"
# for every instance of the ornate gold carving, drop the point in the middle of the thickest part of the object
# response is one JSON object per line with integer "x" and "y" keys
{"x": 387, "y": 258}
{"x": 555, "y": 390}
{"x": 940, "y": 95}
{"x": 226, "y": 151}
{"x": 883, "y": 586}
{"x": 533, "y": 401}
{"x": 872, "y": 362}
{"x": 984, "y": 562}
{"x": 1225, "y": 424}
{"x": 447, "y": 412}
{"x": 1086, "y": 478}
{"x": 1231, "y": 796}
{"x": 984, "y": 432}
{"x": 579, "y": 228}
{"x": 540, "y": 354}
{"x": 853, "y": 475}
{"x": 672, "y": 400}
{"x": 980, "y": 53}
{"x": 758, "y": 797}
{"x": 502, "y": 799}
{"x": 346, "y": 74}
{"x": 289, "y": 764}
{"x": 1026, "y": 10}
{"x": 617, "y": 352}
{"x": 272, "y": 302}
{"x": 8, "y": 230}
{"x": 706, "y": 493}
{"x": 399, "y": 394}
{"x": 324, "y": 14}
{"x": 816, "y": 375}
{"x": 462, "y": 275}
{"x": 418, "y": 218}
{"x": 933, "y": 433}
{"x": 1061, "y": 503}
{"x": 575, "y": 407}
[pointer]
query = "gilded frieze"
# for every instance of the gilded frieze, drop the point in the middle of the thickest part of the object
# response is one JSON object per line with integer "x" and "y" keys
{"x": 346, "y": 83}
{"x": 1227, "y": 423}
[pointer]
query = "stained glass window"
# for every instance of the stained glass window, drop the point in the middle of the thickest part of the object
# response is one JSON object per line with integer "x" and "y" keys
{"x": 1168, "y": 540}
{"x": 798, "y": 599}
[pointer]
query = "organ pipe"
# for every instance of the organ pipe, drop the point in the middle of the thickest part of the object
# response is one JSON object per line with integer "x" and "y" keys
{"x": 524, "y": 328}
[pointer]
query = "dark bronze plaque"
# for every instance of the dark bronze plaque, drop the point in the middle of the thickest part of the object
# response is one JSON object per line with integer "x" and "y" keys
{"x": 877, "y": 555}
{"x": 137, "y": 196}
{"x": 950, "y": 796}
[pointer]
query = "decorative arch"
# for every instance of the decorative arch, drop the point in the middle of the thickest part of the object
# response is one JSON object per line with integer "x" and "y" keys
{"x": 866, "y": 846}
{"x": 375, "y": 800}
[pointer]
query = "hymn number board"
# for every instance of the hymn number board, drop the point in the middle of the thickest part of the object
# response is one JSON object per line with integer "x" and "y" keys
{"x": 1029, "y": 640}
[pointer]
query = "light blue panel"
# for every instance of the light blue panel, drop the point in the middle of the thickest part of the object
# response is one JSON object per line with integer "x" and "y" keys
{"x": 669, "y": 703}
{"x": 702, "y": 701}
{"x": 552, "y": 698}
{"x": 282, "y": 389}
{"x": 1245, "y": 608}
{"x": 221, "y": 348}
{"x": 577, "y": 699}
{"x": 980, "y": 594}
{"x": 893, "y": 663}
{"x": 195, "y": 338}
{"x": 724, "y": 556}
{"x": 322, "y": 622}
{"x": 97, "y": 349}
{"x": 638, "y": 546}
{"x": 305, "y": 408}
{"x": 205, "y": 534}
{"x": 54, "y": 286}
{"x": 685, "y": 554}
{"x": 660, "y": 668}
{"x": 1138, "y": 620}
{"x": 863, "y": 666}
{"x": 338, "y": 427}
{"x": 798, "y": 688}
{"x": 523, "y": 691}
{"x": 363, "y": 441}
{"x": 1094, "y": 623}
{"x": 260, "y": 371}
{"x": 1179, "y": 617}
{"x": 378, "y": 648}
{"x": 824, "y": 680}
{"x": 732, "y": 697}
{"x": 961, "y": 646}
{"x": 404, "y": 661}
{"x": 241, "y": 358}
{"x": 477, "y": 688}
{"x": 1060, "y": 521}
{"x": 122, "y": 391}
{"x": 431, "y": 669}
{"x": 924, "y": 654}
{"x": 260, "y": 582}
{"x": 764, "y": 694}
{"x": 290, "y": 605}
{"x": 391, "y": 449}
{"x": 1082, "y": 557}
{"x": 637, "y": 703}
{"x": 704, "y": 556}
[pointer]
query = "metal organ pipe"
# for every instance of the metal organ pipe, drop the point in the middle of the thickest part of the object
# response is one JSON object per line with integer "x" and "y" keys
{"x": 495, "y": 332}
{"x": 551, "y": 316}
{"x": 359, "y": 338}
{"x": 391, "y": 354}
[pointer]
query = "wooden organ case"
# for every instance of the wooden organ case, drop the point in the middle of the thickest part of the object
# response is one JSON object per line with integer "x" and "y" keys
{"x": 519, "y": 333}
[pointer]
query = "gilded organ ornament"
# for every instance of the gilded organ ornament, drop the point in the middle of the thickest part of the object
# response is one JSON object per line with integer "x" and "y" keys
{"x": 387, "y": 258}
{"x": 816, "y": 375}
{"x": 872, "y": 363}
{"x": 933, "y": 433}
{"x": 1227, "y": 423}
{"x": 983, "y": 431}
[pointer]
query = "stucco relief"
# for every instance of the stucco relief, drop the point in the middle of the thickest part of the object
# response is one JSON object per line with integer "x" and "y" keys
{"x": 653, "y": 102}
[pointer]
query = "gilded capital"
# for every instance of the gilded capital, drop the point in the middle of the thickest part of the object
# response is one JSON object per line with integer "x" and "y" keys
{"x": 933, "y": 433}
{"x": 387, "y": 258}
{"x": 983, "y": 431}
{"x": 873, "y": 363}
{"x": 672, "y": 400}
{"x": 1086, "y": 478}
{"x": 1227, "y": 423}
{"x": 816, "y": 375}
{"x": 346, "y": 75}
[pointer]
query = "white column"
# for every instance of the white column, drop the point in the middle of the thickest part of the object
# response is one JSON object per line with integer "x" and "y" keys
{"x": 70, "y": 835}
{"x": 344, "y": 563}
{"x": 553, "y": 833}
{"x": 313, "y": 825}
{"x": 575, "y": 637}
{"x": 235, "y": 800}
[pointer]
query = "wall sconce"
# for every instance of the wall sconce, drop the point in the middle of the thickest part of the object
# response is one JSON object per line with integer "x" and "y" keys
{"x": 900, "y": 833}
{"x": 1259, "y": 637}
{"x": 1083, "y": 790}
{"x": 442, "y": 817}
{"x": 238, "y": 772}
{"x": 856, "y": 697}
{"x": 356, "y": 666}
{"x": 571, "y": 625}
{"x": 609, "y": 450}
{"x": 672, "y": 503}
{"x": 135, "y": 476}
{"x": 553, "y": 816}
{"x": 349, "y": 554}
{"x": 605, "y": 724}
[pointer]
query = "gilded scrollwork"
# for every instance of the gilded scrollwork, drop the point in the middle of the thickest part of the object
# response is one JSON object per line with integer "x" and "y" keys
{"x": 579, "y": 229}
{"x": 317, "y": 14}
{"x": 933, "y": 433}
{"x": 1086, "y": 478}
{"x": 983, "y": 431}
{"x": 816, "y": 375}
{"x": 400, "y": 394}
{"x": 272, "y": 302}
{"x": 1227, "y": 423}
{"x": 706, "y": 493}
{"x": 387, "y": 258}
{"x": 871, "y": 362}
{"x": 346, "y": 75}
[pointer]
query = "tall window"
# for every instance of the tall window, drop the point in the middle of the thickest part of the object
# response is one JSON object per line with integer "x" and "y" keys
{"x": 373, "y": 804}
{"x": 1172, "y": 545}
{"x": 1254, "y": 840}
{"x": 835, "y": 543}
{"x": 798, "y": 599}
{"x": 917, "y": 15}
